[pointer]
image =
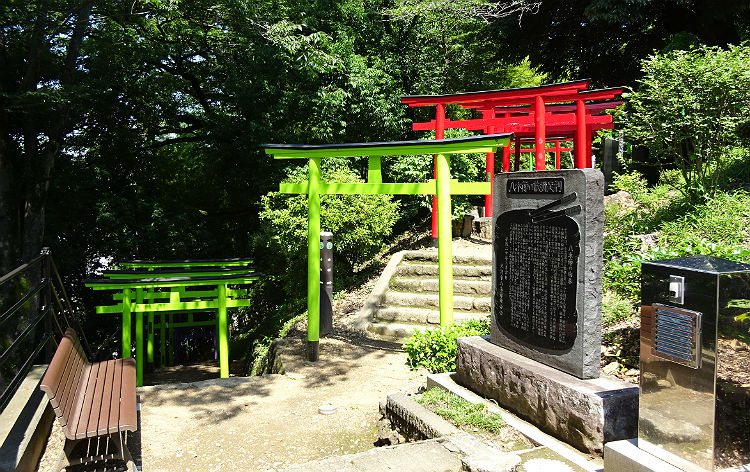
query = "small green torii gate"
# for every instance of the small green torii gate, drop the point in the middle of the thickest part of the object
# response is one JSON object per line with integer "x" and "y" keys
{"x": 442, "y": 187}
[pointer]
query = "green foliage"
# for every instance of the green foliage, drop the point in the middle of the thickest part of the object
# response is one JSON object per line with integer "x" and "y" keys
{"x": 435, "y": 349}
{"x": 724, "y": 220}
{"x": 688, "y": 110}
{"x": 615, "y": 308}
{"x": 658, "y": 223}
{"x": 259, "y": 362}
{"x": 359, "y": 224}
{"x": 459, "y": 411}
{"x": 606, "y": 39}
{"x": 643, "y": 215}
{"x": 464, "y": 167}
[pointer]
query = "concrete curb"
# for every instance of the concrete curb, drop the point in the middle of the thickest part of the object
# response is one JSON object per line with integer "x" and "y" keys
{"x": 415, "y": 422}
{"x": 25, "y": 424}
{"x": 366, "y": 315}
{"x": 447, "y": 382}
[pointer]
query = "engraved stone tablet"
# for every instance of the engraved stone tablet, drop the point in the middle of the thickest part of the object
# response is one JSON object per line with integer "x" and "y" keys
{"x": 547, "y": 264}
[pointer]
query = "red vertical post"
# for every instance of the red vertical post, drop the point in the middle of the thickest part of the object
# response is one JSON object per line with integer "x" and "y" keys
{"x": 439, "y": 134}
{"x": 580, "y": 136}
{"x": 490, "y": 169}
{"x": 589, "y": 161}
{"x": 506, "y": 158}
{"x": 518, "y": 154}
{"x": 557, "y": 154}
{"x": 540, "y": 133}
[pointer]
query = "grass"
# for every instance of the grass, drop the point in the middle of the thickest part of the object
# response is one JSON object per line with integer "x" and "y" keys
{"x": 460, "y": 411}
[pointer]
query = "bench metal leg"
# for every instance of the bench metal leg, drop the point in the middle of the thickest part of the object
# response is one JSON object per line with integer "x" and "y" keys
{"x": 101, "y": 452}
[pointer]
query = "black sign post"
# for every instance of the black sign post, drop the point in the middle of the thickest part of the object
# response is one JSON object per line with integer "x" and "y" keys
{"x": 326, "y": 283}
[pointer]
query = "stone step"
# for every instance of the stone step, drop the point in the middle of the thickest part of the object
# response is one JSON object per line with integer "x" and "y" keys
{"x": 400, "y": 332}
{"x": 423, "y": 316}
{"x": 465, "y": 259}
{"x": 417, "y": 269}
{"x": 466, "y": 287}
{"x": 420, "y": 300}
{"x": 390, "y": 331}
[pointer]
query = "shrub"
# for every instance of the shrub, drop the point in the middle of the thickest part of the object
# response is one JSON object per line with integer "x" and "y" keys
{"x": 723, "y": 220}
{"x": 615, "y": 308}
{"x": 645, "y": 214}
{"x": 675, "y": 228}
{"x": 359, "y": 224}
{"x": 435, "y": 349}
{"x": 689, "y": 109}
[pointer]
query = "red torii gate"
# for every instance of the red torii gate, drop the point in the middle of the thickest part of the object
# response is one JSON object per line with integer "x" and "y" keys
{"x": 553, "y": 112}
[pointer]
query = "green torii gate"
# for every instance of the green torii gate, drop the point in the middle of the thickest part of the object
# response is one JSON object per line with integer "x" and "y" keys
{"x": 442, "y": 187}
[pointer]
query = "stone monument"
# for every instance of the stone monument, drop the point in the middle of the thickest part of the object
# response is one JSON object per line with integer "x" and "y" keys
{"x": 547, "y": 267}
{"x": 542, "y": 358}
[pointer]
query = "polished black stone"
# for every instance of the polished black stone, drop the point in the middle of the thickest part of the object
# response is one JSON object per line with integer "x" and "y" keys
{"x": 537, "y": 263}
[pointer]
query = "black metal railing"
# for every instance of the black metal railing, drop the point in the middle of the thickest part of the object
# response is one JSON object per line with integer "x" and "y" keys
{"x": 36, "y": 311}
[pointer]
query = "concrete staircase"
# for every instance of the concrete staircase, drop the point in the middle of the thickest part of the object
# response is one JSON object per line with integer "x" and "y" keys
{"x": 406, "y": 295}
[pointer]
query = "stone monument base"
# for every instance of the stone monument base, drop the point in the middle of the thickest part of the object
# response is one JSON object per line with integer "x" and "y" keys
{"x": 583, "y": 413}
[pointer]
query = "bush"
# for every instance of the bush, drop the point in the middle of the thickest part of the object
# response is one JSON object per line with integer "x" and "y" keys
{"x": 673, "y": 228}
{"x": 359, "y": 224}
{"x": 723, "y": 220}
{"x": 689, "y": 110}
{"x": 645, "y": 214}
{"x": 435, "y": 349}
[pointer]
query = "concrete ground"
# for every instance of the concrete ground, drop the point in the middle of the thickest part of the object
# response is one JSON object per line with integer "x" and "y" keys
{"x": 269, "y": 422}
{"x": 273, "y": 421}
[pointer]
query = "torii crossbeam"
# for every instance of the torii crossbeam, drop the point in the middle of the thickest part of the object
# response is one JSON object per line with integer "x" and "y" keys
{"x": 442, "y": 187}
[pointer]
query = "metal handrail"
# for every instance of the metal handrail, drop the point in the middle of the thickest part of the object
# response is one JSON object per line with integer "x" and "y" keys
{"x": 5, "y": 316}
{"x": 13, "y": 273}
{"x": 10, "y": 390}
{"x": 65, "y": 307}
{"x": 46, "y": 295}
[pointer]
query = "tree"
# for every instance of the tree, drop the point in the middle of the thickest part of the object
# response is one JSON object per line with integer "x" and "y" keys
{"x": 688, "y": 109}
{"x": 40, "y": 81}
{"x": 605, "y": 39}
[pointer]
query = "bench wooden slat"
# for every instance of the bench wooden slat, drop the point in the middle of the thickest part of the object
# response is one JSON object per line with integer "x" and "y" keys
{"x": 57, "y": 367}
{"x": 114, "y": 404}
{"x": 77, "y": 403}
{"x": 96, "y": 404}
{"x": 103, "y": 425}
{"x": 73, "y": 395}
{"x": 66, "y": 393}
{"x": 88, "y": 399}
{"x": 128, "y": 415}
{"x": 64, "y": 379}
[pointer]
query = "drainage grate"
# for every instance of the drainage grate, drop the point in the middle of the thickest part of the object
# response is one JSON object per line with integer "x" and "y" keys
{"x": 677, "y": 334}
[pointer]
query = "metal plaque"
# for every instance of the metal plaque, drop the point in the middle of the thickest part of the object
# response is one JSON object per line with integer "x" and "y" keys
{"x": 677, "y": 335}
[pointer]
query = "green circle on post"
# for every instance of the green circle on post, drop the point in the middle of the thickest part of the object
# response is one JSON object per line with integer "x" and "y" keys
{"x": 321, "y": 244}
{"x": 329, "y": 245}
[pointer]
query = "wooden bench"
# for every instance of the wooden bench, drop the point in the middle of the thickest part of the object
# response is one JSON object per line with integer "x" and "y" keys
{"x": 91, "y": 401}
